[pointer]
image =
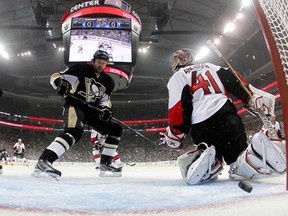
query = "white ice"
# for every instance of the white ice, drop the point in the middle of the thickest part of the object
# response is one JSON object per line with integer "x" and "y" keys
{"x": 142, "y": 190}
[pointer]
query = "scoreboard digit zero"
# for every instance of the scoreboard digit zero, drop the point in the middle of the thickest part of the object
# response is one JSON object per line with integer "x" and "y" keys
{"x": 113, "y": 23}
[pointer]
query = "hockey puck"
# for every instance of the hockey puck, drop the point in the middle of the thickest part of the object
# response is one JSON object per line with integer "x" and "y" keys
{"x": 245, "y": 186}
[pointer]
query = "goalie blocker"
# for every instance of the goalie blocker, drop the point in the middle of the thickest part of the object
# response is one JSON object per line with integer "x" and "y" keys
{"x": 200, "y": 165}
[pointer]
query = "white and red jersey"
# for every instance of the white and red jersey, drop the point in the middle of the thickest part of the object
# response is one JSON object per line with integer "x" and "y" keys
{"x": 96, "y": 136}
{"x": 99, "y": 140}
{"x": 199, "y": 91}
{"x": 276, "y": 127}
{"x": 19, "y": 148}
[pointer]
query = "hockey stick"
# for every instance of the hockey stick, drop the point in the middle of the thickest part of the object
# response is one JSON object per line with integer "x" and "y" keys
{"x": 261, "y": 114}
{"x": 116, "y": 120}
{"x": 130, "y": 164}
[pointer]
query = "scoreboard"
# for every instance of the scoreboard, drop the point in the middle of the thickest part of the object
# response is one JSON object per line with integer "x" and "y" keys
{"x": 110, "y": 23}
{"x": 106, "y": 25}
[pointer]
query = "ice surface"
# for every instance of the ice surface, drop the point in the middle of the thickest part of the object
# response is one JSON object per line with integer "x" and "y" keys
{"x": 120, "y": 53}
{"x": 142, "y": 190}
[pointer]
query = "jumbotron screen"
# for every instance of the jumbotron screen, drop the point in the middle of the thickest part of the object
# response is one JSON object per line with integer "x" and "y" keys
{"x": 112, "y": 35}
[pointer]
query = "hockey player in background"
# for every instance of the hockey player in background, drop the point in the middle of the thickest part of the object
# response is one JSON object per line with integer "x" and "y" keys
{"x": 80, "y": 49}
{"x": 84, "y": 87}
{"x": 19, "y": 149}
{"x": 199, "y": 102}
{"x": 101, "y": 46}
{"x": 98, "y": 141}
{"x": 277, "y": 138}
{"x": 3, "y": 155}
{"x": 109, "y": 50}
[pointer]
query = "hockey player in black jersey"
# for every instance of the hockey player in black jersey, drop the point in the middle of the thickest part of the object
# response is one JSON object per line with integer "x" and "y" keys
{"x": 3, "y": 154}
{"x": 83, "y": 86}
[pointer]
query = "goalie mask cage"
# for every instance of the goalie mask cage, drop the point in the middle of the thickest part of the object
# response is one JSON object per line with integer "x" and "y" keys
{"x": 273, "y": 18}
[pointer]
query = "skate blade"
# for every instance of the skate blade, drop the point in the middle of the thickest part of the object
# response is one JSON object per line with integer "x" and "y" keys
{"x": 43, "y": 175}
{"x": 109, "y": 174}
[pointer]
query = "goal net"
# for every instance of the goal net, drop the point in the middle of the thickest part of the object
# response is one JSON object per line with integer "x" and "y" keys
{"x": 273, "y": 18}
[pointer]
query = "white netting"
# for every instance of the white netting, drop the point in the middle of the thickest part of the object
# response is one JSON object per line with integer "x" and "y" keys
{"x": 276, "y": 12}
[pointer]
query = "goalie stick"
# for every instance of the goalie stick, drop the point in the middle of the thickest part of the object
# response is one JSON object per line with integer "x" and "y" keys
{"x": 261, "y": 114}
{"x": 118, "y": 121}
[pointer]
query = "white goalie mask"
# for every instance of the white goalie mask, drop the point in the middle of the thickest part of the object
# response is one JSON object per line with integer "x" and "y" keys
{"x": 180, "y": 58}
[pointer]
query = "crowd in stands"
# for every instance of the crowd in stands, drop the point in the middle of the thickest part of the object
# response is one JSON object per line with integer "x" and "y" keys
{"x": 132, "y": 148}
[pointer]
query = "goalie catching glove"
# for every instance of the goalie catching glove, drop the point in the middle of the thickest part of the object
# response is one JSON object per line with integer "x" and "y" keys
{"x": 63, "y": 87}
{"x": 172, "y": 140}
{"x": 261, "y": 100}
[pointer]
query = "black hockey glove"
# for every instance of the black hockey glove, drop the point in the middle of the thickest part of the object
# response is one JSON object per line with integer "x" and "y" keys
{"x": 105, "y": 114}
{"x": 63, "y": 87}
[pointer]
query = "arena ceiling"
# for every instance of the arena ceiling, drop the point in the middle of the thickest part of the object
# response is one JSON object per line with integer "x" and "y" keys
{"x": 181, "y": 23}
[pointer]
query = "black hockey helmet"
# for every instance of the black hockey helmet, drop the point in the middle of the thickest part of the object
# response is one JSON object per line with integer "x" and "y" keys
{"x": 100, "y": 54}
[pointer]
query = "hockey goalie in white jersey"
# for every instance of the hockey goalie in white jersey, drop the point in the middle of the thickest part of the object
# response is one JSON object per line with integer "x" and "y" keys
{"x": 199, "y": 102}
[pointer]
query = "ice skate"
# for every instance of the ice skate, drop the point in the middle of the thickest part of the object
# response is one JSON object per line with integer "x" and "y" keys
{"x": 44, "y": 169}
{"x": 108, "y": 170}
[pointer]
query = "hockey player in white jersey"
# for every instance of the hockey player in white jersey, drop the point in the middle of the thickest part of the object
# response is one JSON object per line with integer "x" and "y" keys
{"x": 19, "y": 149}
{"x": 277, "y": 137}
{"x": 98, "y": 141}
{"x": 199, "y": 102}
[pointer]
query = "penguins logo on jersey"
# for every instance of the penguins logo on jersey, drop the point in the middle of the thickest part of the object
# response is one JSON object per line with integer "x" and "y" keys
{"x": 97, "y": 90}
{"x": 94, "y": 90}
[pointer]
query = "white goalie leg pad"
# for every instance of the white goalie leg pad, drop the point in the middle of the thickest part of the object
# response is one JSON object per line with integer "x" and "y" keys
{"x": 264, "y": 149}
{"x": 281, "y": 145}
{"x": 214, "y": 171}
{"x": 199, "y": 166}
{"x": 184, "y": 161}
{"x": 249, "y": 166}
{"x": 261, "y": 159}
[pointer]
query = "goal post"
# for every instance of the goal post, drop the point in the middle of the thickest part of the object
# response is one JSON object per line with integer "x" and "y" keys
{"x": 273, "y": 18}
